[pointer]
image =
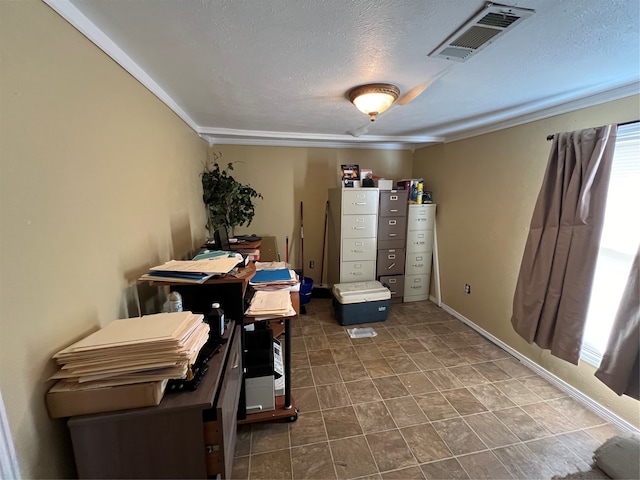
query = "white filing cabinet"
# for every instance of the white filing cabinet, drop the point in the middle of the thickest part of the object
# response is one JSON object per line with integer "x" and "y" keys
{"x": 419, "y": 252}
{"x": 353, "y": 226}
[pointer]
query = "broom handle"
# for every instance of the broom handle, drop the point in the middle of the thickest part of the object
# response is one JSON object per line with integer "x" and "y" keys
{"x": 301, "y": 242}
{"x": 324, "y": 240}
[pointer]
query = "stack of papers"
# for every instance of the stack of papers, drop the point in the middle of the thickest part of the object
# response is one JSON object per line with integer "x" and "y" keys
{"x": 274, "y": 278}
{"x": 191, "y": 271}
{"x": 270, "y": 304}
{"x": 134, "y": 350}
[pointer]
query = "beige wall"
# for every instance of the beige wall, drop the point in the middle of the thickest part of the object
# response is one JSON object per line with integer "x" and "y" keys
{"x": 99, "y": 180}
{"x": 486, "y": 188}
{"x": 286, "y": 176}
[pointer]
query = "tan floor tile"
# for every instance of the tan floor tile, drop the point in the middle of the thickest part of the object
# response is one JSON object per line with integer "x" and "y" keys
{"x": 491, "y": 397}
{"x": 321, "y": 357}
{"x": 352, "y": 457}
{"x": 549, "y": 417}
{"x": 470, "y": 354}
{"x": 374, "y": 417}
{"x": 542, "y": 388}
{"x": 603, "y": 432}
{"x": 491, "y": 371}
{"x": 390, "y": 387}
{"x": 368, "y": 352}
{"x": 306, "y": 399}
{"x": 449, "y": 469}
{"x": 390, "y": 349}
{"x": 412, "y": 345}
{"x": 266, "y": 437}
{"x": 521, "y": 424}
{"x": 240, "y": 470}
{"x": 331, "y": 396}
{"x": 490, "y": 430}
{"x": 514, "y": 368}
{"x": 458, "y": 436}
{"x": 578, "y": 414}
{"x": 436, "y": 407}
{"x": 484, "y": 465}
{"x": 517, "y": 392}
{"x": 390, "y": 451}
{"x": 425, "y": 443}
{"x": 271, "y": 465}
{"x": 442, "y": 379}
{"x": 467, "y": 375}
{"x": 405, "y": 411}
{"x": 409, "y": 473}
{"x": 301, "y": 377}
{"x": 344, "y": 354}
{"x": 312, "y": 462}
{"x": 556, "y": 456}
{"x": 317, "y": 341}
{"x": 402, "y": 364}
{"x": 309, "y": 428}
{"x": 426, "y": 361}
{"x": 326, "y": 375}
{"x": 338, "y": 340}
{"x": 463, "y": 401}
{"x": 522, "y": 462}
{"x": 341, "y": 422}
{"x": 243, "y": 441}
{"x": 352, "y": 371}
{"x": 362, "y": 391}
{"x": 417, "y": 383}
{"x": 449, "y": 358}
{"x": 580, "y": 443}
{"x": 378, "y": 368}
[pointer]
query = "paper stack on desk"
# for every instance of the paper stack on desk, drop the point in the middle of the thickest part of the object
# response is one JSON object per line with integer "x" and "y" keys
{"x": 270, "y": 304}
{"x": 134, "y": 350}
{"x": 274, "y": 279}
{"x": 191, "y": 271}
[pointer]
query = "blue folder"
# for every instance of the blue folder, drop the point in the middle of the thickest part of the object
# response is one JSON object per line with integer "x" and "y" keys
{"x": 267, "y": 276}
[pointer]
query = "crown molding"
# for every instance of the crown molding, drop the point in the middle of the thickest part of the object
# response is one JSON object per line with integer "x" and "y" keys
{"x": 71, "y": 14}
{"x": 540, "y": 110}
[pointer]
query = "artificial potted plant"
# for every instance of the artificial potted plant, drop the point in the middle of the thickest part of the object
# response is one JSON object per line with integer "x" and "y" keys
{"x": 228, "y": 202}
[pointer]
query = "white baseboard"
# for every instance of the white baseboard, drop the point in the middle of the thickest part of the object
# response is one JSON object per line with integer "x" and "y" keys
{"x": 588, "y": 402}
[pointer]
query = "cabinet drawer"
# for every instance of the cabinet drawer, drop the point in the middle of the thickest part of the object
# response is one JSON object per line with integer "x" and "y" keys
{"x": 421, "y": 217}
{"x": 416, "y": 285}
{"x": 358, "y": 249}
{"x": 395, "y": 284}
{"x": 390, "y": 228}
{"x": 357, "y": 271}
{"x": 358, "y": 226}
{"x": 393, "y": 243}
{"x": 390, "y": 262}
{"x": 220, "y": 434}
{"x": 418, "y": 263}
{"x": 357, "y": 201}
{"x": 393, "y": 203}
{"x": 420, "y": 241}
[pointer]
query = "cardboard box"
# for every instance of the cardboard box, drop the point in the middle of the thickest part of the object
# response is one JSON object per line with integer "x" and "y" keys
{"x": 384, "y": 184}
{"x": 66, "y": 403}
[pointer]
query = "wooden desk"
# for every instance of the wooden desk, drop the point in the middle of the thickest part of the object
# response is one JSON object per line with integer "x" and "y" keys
{"x": 189, "y": 435}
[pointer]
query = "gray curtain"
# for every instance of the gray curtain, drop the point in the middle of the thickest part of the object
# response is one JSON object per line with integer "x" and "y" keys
{"x": 620, "y": 366}
{"x": 552, "y": 293}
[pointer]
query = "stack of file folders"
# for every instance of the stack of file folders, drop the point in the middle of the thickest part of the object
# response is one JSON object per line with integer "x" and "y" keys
{"x": 274, "y": 276}
{"x": 267, "y": 304}
{"x": 114, "y": 367}
{"x": 192, "y": 271}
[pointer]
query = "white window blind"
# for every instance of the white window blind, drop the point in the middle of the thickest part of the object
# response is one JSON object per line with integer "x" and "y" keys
{"x": 618, "y": 244}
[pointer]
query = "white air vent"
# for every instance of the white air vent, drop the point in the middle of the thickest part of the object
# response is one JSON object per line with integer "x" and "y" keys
{"x": 480, "y": 31}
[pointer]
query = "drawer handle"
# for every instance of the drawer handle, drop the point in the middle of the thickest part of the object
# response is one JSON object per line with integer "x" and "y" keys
{"x": 211, "y": 448}
{"x": 360, "y": 203}
{"x": 392, "y": 222}
{"x": 391, "y": 257}
{"x": 393, "y": 210}
{"x": 392, "y": 280}
{"x": 391, "y": 266}
{"x": 235, "y": 360}
{"x": 357, "y": 251}
{"x": 358, "y": 227}
{"x": 393, "y": 234}
{"x": 393, "y": 197}
{"x": 357, "y": 273}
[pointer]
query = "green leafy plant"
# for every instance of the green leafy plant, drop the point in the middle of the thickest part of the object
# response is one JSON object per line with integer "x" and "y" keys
{"x": 228, "y": 202}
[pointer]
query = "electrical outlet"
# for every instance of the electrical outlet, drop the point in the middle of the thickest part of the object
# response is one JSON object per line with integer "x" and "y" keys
{"x": 312, "y": 264}
{"x": 467, "y": 288}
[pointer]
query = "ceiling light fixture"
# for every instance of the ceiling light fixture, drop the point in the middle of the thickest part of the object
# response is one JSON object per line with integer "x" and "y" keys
{"x": 374, "y": 98}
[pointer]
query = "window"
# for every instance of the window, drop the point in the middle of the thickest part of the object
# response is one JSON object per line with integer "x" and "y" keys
{"x": 618, "y": 244}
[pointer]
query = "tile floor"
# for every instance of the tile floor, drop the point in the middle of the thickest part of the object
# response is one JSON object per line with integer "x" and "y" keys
{"x": 426, "y": 398}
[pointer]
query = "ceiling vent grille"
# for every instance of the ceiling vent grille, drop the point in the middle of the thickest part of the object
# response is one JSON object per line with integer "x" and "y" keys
{"x": 482, "y": 30}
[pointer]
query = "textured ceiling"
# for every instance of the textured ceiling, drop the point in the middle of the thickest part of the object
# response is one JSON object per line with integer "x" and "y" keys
{"x": 276, "y": 72}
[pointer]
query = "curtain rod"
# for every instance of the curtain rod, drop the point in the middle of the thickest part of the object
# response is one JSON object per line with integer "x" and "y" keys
{"x": 550, "y": 137}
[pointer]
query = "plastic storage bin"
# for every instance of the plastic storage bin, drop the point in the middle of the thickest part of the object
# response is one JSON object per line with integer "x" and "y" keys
{"x": 360, "y": 302}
